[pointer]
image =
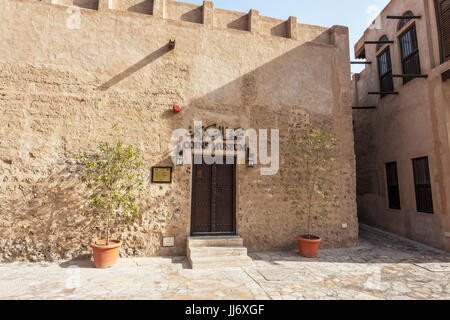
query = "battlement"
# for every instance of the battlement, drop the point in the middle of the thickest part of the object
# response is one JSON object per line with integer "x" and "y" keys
{"x": 206, "y": 15}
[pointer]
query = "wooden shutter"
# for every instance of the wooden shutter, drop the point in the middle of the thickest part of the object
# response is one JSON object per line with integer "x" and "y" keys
{"x": 443, "y": 17}
{"x": 410, "y": 53}
{"x": 392, "y": 185}
{"x": 422, "y": 183}
{"x": 385, "y": 71}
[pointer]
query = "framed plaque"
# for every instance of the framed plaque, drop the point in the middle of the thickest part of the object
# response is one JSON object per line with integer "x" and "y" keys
{"x": 161, "y": 174}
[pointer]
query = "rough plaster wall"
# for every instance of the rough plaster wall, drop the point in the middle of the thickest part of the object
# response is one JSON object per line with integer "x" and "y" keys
{"x": 61, "y": 90}
{"x": 42, "y": 202}
{"x": 410, "y": 125}
{"x": 267, "y": 219}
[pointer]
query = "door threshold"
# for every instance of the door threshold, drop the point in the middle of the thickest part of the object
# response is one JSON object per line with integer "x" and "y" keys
{"x": 205, "y": 234}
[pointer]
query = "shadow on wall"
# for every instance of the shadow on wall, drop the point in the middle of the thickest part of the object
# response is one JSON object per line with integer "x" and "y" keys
{"x": 239, "y": 24}
{"x": 58, "y": 206}
{"x": 194, "y": 15}
{"x": 88, "y": 4}
{"x": 136, "y": 67}
{"x": 144, "y": 7}
{"x": 280, "y": 30}
{"x": 286, "y": 80}
{"x": 289, "y": 88}
{"x": 56, "y": 221}
{"x": 50, "y": 206}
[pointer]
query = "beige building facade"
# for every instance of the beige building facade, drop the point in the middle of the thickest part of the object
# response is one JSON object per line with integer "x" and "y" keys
{"x": 401, "y": 121}
{"x": 69, "y": 70}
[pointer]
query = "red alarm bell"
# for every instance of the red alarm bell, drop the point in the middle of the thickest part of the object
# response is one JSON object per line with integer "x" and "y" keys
{"x": 176, "y": 108}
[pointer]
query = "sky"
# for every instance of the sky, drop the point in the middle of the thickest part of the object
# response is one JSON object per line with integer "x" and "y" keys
{"x": 355, "y": 14}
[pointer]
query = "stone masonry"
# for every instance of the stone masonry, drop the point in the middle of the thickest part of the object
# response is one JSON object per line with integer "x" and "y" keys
{"x": 68, "y": 73}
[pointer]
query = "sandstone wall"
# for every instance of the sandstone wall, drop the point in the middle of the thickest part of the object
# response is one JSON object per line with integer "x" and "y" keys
{"x": 61, "y": 89}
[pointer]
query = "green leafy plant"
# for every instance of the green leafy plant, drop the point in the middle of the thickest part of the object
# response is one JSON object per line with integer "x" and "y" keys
{"x": 113, "y": 176}
{"x": 307, "y": 170}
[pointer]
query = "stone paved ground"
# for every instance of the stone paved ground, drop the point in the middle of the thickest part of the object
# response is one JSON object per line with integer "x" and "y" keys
{"x": 381, "y": 267}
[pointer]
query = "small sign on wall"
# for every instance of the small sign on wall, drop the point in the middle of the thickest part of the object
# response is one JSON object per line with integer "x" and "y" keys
{"x": 169, "y": 242}
{"x": 161, "y": 174}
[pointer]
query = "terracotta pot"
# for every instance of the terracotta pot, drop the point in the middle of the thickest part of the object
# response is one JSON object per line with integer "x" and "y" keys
{"x": 308, "y": 245}
{"x": 105, "y": 255}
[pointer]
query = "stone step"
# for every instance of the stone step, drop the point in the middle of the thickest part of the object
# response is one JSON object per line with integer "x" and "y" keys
{"x": 219, "y": 262}
{"x": 211, "y": 241}
{"x": 216, "y": 252}
{"x": 227, "y": 251}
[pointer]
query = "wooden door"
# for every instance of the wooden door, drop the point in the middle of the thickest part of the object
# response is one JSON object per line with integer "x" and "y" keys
{"x": 213, "y": 199}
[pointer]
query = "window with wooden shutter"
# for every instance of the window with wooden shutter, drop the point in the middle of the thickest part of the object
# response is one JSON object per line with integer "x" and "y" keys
{"x": 385, "y": 71}
{"x": 409, "y": 52}
{"x": 422, "y": 181}
{"x": 393, "y": 186}
{"x": 443, "y": 18}
{"x": 407, "y": 18}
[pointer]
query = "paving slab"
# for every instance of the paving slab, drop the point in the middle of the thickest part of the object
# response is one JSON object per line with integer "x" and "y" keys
{"x": 383, "y": 266}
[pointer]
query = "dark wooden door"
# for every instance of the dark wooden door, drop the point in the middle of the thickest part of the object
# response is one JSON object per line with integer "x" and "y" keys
{"x": 213, "y": 199}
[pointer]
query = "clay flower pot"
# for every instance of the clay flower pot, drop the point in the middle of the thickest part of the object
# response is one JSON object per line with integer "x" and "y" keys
{"x": 105, "y": 255}
{"x": 308, "y": 245}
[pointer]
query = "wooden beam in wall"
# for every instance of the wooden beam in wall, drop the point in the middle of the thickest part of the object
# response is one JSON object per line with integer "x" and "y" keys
{"x": 364, "y": 108}
{"x": 403, "y": 17}
{"x": 382, "y": 93}
{"x": 410, "y": 75}
{"x": 379, "y": 42}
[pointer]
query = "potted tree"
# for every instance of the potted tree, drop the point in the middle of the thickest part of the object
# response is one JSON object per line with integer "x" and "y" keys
{"x": 113, "y": 176}
{"x": 306, "y": 178}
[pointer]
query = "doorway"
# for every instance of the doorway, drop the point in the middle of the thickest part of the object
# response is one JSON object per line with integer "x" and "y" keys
{"x": 213, "y": 209}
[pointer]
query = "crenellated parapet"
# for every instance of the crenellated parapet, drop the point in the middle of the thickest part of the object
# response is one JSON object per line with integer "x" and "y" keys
{"x": 206, "y": 14}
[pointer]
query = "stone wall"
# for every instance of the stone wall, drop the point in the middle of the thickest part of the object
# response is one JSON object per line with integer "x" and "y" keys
{"x": 62, "y": 88}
